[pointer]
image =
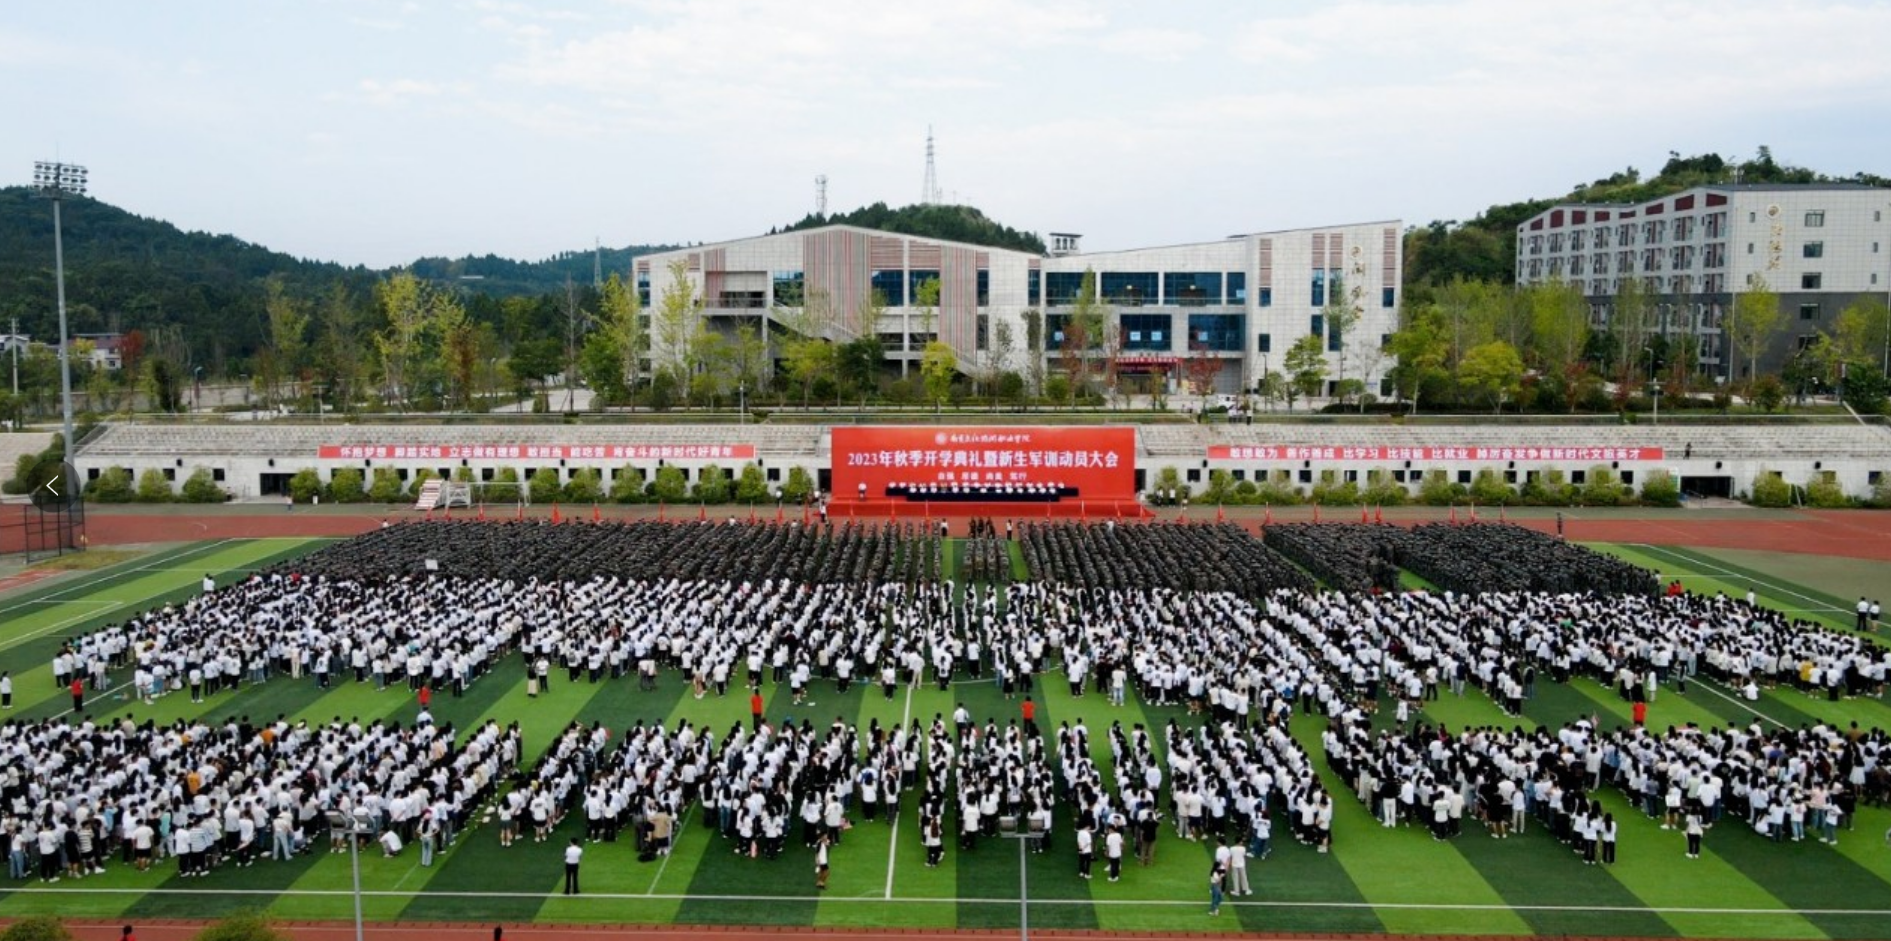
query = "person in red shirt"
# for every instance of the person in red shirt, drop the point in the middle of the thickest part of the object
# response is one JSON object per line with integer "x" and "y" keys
{"x": 755, "y": 709}
{"x": 426, "y": 696}
{"x": 126, "y": 935}
{"x": 1641, "y": 714}
{"x": 78, "y": 695}
{"x": 1029, "y": 710}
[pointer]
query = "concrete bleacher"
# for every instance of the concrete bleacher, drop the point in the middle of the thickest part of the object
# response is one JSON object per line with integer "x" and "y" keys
{"x": 305, "y": 441}
{"x": 14, "y": 446}
{"x": 1699, "y": 440}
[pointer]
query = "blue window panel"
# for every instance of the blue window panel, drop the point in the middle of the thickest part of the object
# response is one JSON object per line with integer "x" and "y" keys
{"x": 1128, "y": 288}
{"x": 1264, "y": 343}
{"x": 1146, "y": 331}
{"x": 1237, "y": 287}
{"x": 1388, "y": 297}
{"x": 790, "y": 288}
{"x": 1267, "y": 297}
{"x": 984, "y": 288}
{"x": 914, "y": 279}
{"x": 1191, "y": 288}
{"x": 1061, "y": 287}
{"x": 1319, "y": 288}
{"x": 1316, "y": 325}
{"x": 1034, "y": 288}
{"x": 1221, "y": 332}
{"x": 891, "y": 285}
{"x": 1333, "y": 341}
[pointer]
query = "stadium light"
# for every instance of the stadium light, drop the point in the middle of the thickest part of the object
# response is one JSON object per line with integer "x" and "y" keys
{"x": 56, "y": 181}
{"x": 1028, "y": 830}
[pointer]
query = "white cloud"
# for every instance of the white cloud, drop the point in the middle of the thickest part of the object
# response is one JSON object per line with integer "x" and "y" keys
{"x": 402, "y": 90}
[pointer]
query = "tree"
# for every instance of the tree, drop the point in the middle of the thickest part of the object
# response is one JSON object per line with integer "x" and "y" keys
{"x": 747, "y": 352}
{"x": 857, "y": 362}
{"x": 244, "y": 926}
{"x": 1202, "y": 367}
{"x": 805, "y": 351}
{"x": 344, "y": 486}
{"x": 627, "y": 486}
{"x": 1034, "y": 349}
{"x": 339, "y": 353}
{"x": 1084, "y": 328}
{"x": 799, "y": 485}
{"x": 1421, "y": 344}
{"x": 925, "y": 305}
{"x": 1631, "y": 325}
{"x": 1342, "y": 316}
{"x": 305, "y": 486}
{"x": 533, "y": 360}
{"x": 712, "y": 485}
{"x": 620, "y": 318}
{"x": 288, "y": 332}
{"x": 939, "y": 365}
{"x": 113, "y": 485}
{"x": 674, "y": 324}
{"x": 998, "y": 357}
{"x": 543, "y": 485}
{"x": 1306, "y": 367}
{"x": 1493, "y": 370}
{"x": 671, "y": 484}
{"x": 1753, "y": 321}
{"x": 37, "y": 928}
{"x": 601, "y": 364}
{"x": 1860, "y": 333}
{"x": 405, "y": 304}
{"x": 1475, "y": 312}
{"x": 1559, "y": 329}
{"x": 751, "y": 487}
{"x": 585, "y": 486}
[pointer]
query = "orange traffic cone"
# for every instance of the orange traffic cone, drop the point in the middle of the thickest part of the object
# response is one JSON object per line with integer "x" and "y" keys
{"x": 556, "y": 519}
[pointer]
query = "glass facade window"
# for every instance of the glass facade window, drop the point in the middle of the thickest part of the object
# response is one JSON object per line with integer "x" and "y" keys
{"x": 891, "y": 285}
{"x": 1061, "y": 287}
{"x": 1267, "y": 297}
{"x": 1034, "y": 288}
{"x": 643, "y": 288}
{"x": 1054, "y": 331}
{"x": 1146, "y": 331}
{"x": 790, "y": 288}
{"x": 984, "y": 288}
{"x": 983, "y": 339}
{"x": 1319, "y": 288}
{"x": 1217, "y": 331}
{"x": 1191, "y": 288}
{"x": 1128, "y": 288}
{"x": 1813, "y": 250}
{"x": 1264, "y": 343}
{"x": 1316, "y": 325}
{"x": 1237, "y": 287}
{"x": 914, "y": 279}
{"x": 1388, "y": 297}
{"x": 1334, "y": 341}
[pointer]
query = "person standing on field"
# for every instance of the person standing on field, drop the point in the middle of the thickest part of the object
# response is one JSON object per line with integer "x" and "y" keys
{"x": 574, "y": 854}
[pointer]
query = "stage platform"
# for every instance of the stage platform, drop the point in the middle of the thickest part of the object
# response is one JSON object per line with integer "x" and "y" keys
{"x": 996, "y": 510}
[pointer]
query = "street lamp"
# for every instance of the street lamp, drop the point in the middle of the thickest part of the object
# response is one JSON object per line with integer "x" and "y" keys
{"x": 1032, "y": 831}
{"x": 345, "y": 818}
{"x": 56, "y": 181}
{"x": 742, "y": 402}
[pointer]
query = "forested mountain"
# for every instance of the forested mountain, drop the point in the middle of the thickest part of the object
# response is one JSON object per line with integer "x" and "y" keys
{"x": 950, "y": 223}
{"x": 1485, "y": 248}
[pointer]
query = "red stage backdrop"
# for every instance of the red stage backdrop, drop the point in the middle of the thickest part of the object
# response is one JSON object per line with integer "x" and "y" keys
{"x": 1295, "y": 452}
{"x": 1099, "y": 463}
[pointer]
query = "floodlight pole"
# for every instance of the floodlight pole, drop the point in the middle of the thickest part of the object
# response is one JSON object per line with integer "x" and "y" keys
{"x": 354, "y": 863}
{"x": 55, "y": 181}
{"x": 1022, "y": 836}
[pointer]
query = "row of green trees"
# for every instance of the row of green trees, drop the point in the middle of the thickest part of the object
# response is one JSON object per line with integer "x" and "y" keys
{"x": 670, "y": 484}
{"x": 1601, "y": 486}
{"x": 114, "y": 485}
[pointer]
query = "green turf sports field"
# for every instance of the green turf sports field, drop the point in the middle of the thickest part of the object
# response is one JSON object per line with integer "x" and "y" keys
{"x": 1375, "y": 880}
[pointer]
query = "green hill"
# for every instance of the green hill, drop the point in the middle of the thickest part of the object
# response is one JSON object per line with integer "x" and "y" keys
{"x": 950, "y": 223}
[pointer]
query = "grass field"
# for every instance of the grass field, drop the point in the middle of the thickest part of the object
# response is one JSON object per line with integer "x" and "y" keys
{"x": 1375, "y": 880}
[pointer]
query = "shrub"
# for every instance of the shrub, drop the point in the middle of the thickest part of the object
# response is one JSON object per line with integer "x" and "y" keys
{"x": 1824, "y": 491}
{"x": 1772, "y": 490}
{"x": 1489, "y": 489}
{"x": 1661, "y": 489}
{"x": 1601, "y": 487}
{"x": 1167, "y": 479}
{"x": 153, "y": 488}
{"x": 344, "y": 486}
{"x": 113, "y": 485}
{"x": 305, "y": 486}
{"x": 752, "y": 486}
{"x": 243, "y": 926}
{"x": 1767, "y": 393}
{"x": 37, "y": 928}
{"x": 1328, "y": 493}
{"x": 1382, "y": 490}
{"x": 1220, "y": 488}
{"x": 1549, "y": 488}
{"x": 1278, "y": 489}
{"x": 671, "y": 485}
{"x": 202, "y": 487}
{"x": 544, "y": 485}
{"x": 585, "y": 486}
{"x": 1438, "y": 490}
{"x": 799, "y": 485}
{"x": 1881, "y": 492}
{"x": 386, "y": 487}
{"x": 712, "y": 485}
{"x": 627, "y": 487}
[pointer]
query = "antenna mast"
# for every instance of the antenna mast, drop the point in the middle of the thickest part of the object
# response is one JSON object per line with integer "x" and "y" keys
{"x": 820, "y": 195}
{"x": 929, "y": 192}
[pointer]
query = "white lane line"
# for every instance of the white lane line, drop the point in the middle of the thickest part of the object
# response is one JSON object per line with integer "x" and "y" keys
{"x": 1708, "y": 685}
{"x": 892, "y": 840}
{"x": 674, "y": 830}
{"x": 1770, "y": 587}
{"x": 90, "y": 583}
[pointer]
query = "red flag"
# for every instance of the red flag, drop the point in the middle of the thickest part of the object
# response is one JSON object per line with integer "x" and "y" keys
{"x": 778, "y": 512}
{"x": 447, "y": 510}
{"x": 804, "y": 513}
{"x": 521, "y": 512}
{"x": 555, "y": 517}
{"x": 1473, "y": 512}
{"x": 751, "y": 512}
{"x": 429, "y": 514}
{"x": 1503, "y": 513}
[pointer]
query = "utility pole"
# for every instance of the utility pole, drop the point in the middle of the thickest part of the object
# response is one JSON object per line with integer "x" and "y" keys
{"x": 56, "y": 181}
{"x": 14, "y": 341}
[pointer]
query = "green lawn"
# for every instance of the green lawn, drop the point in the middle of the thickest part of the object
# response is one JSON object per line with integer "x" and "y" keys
{"x": 1375, "y": 880}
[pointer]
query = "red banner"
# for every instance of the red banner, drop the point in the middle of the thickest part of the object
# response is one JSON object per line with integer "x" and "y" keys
{"x": 576, "y": 452}
{"x": 1297, "y": 452}
{"x": 894, "y": 462}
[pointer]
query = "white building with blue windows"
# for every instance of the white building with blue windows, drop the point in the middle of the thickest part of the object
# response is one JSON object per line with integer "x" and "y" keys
{"x": 1240, "y": 302}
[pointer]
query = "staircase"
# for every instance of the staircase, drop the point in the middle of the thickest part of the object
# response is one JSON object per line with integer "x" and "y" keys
{"x": 430, "y": 494}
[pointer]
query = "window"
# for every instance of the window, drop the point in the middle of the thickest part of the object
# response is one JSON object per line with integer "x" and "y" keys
{"x": 984, "y": 288}
{"x": 1267, "y": 297}
{"x": 1316, "y": 325}
{"x": 789, "y": 287}
{"x": 1129, "y": 288}
{"x": 1579, "y": 477}
{"x": 1387, "y": 296}
{"x": 1808, "y": 312}
{"x": 1191, "y": 288}
{"x": 1815, "y": 219}
{"x": 216, "y": 474}
{"x": 1753, "y": 217}
{"x": 1334, "y": 341}
{"x": 1810, "y": 281}
{"x": 1464, "y": 477}
{"x": 1216, "y": 331}
{"x": 1812, "y": 250}
{"x": 1237, "y": 287}
{"x": 1805, "y": 341}
{"x": 1749, "y": 248}
{"x": 891, "y": 285}
{"x": 1061, "y": 287}
{"x": 1146, "y": 331}
{"x": 1319, "y": 288}
{"x": 982, "y": 340}
{"x": 1264, "y": 343}
{"x": 1033, "y": 288}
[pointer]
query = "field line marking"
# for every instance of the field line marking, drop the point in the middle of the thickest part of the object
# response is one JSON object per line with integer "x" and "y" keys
{"x": 938, "y": 900}
{"x": 892, "y": 839}
{"x": 1708, "y": 685}
{"x": 1731, "y": 575}
{"x": 30, "y": 635}
{"x": 681, "y": 822}
{"x": 91, "y": 582}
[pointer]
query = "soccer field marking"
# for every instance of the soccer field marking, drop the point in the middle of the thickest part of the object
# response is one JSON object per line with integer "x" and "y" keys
{"x": 892, "y": 840}
{"x": 1733, "y": 576}
{"x": 937, "y": 900}
{"x": 1708, "y": 685}
{"x": 93, "y": 582}
{"x": 101, "y": 604}
{"x": 678, "y": 828}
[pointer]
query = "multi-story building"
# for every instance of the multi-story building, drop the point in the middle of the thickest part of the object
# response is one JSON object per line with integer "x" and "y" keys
{"x": 1229, "y": 309}
{"x": 1819, "y": 247}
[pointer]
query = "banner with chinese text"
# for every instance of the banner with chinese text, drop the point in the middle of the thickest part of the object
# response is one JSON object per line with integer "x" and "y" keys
{"x": 507, "y": 452}
{"x": 1082, "y": 463}
{"x": 1295, "y": 452}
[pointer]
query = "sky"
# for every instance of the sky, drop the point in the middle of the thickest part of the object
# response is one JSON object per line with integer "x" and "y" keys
{"x": 376, "y": 131}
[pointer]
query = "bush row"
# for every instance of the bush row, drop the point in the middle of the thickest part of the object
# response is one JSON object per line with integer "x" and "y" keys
{"x": 1601, "y": 486}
